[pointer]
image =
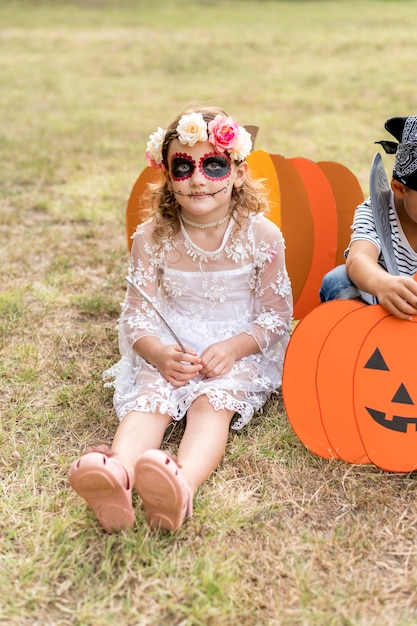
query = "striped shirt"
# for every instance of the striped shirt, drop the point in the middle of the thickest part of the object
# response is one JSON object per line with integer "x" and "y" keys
{"x": 363, "y": 228}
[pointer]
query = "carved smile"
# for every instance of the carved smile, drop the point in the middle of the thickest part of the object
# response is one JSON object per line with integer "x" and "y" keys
{"x": 398, "y": 423}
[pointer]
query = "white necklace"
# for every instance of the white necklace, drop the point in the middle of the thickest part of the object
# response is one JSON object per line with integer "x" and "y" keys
{"x": 206, "y": 225}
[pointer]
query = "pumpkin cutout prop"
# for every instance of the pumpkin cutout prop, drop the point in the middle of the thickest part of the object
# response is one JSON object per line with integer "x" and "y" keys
{"x": 312, "y": 203}
{"x": 300, "y": 373}
{"x": 315, "y": 212}
{"x": 349, "y": 388}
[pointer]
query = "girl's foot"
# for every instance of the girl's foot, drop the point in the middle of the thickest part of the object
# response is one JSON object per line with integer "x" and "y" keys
{"x": 166, "y": 496}
{"x": 104, "y": 484}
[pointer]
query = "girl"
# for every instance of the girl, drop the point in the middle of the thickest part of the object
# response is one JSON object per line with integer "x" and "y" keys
{"x": 214, "y": 267}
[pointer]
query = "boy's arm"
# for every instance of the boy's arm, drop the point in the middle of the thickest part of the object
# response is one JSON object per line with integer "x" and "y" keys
{"x": 397, "y": 294}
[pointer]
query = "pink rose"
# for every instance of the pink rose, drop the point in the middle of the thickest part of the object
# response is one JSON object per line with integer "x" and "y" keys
{"x": 223, "y": 133}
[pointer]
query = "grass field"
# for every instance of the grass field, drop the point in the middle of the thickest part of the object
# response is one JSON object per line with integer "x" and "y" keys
{"x": 279, "y": 536}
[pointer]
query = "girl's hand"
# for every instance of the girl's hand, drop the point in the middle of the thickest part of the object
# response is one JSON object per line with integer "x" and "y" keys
{"x": 218, "y": 359}
{"x": 176, "y": 366}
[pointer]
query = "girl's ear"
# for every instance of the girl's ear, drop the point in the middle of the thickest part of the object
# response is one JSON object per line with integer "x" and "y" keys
{"x": 398, "y": 188}
{"x": 240, "y": 174}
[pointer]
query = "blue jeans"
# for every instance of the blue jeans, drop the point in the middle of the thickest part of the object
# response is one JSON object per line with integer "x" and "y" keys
{"x": 336, "y": 285}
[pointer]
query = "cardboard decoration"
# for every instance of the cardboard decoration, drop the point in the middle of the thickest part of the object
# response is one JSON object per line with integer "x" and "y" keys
{"x": 312, "y": 203}
{"x": 296, "y": 223}
{"x": 135, "y": 204}
{"x": 261, "y": 163}
{"x": 348, "y": 385}
{"x": 318, "y": 201}
{"x": 348, "y": 195}
{"x": 300, "y": 371}
{"x": 324, "y": 214}
{"x": 335, "y": 380}
{"x": 385, "y": 394}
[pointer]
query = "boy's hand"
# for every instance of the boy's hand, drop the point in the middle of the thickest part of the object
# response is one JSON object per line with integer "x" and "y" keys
{"x": 398, "y": 294}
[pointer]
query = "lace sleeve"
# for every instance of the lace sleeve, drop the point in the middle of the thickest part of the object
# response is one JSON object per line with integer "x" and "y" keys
{"x": 138, "y": 319}
{"x": 272, "y": 289}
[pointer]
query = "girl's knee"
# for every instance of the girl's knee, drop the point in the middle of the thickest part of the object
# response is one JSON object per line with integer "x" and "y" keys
{"x": 203, "y": 408}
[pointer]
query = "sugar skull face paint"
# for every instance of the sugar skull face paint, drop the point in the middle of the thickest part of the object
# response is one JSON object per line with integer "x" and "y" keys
{"x": 182, "y": 166}
{"x": 213, "y": 166}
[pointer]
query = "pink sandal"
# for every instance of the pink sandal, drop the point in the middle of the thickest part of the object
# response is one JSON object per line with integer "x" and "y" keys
{"x": 104, "y": 484}
{"x": 166, "y": 496}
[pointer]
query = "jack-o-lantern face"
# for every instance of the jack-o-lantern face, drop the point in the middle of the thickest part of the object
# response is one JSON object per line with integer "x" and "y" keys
{"x": 349, "y": 385}
{"x": 401, "y": 397}
{"x": 334, "y": 377}
{"x": 385, "y": 392}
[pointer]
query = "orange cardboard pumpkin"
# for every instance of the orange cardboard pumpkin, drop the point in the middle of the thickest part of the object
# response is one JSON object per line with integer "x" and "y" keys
{"x": 385, "y": 394}
{"x": 135, "y": 203}
{"x": 299, "y": 377}
{"x": 317, "y": 202}
{"x": 355, "y": 396}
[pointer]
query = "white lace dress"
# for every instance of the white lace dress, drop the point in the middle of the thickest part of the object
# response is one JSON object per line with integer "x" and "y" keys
{"x": 206, "y": 297}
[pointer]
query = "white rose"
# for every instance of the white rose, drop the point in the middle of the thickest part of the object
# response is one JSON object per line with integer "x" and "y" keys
{"x": 155, "y": 144}
{"x": 192, "y": 128}
{"x": 243, "y": 145}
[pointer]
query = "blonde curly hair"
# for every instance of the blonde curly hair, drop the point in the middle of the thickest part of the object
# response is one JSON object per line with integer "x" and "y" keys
{"x": 162, "y": 205}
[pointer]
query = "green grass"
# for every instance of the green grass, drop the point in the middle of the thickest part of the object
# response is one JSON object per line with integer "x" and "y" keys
{"x": 279, "y": 536}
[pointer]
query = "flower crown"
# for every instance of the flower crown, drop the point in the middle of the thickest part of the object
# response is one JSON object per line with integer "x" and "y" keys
{"x": 222, "y": 132}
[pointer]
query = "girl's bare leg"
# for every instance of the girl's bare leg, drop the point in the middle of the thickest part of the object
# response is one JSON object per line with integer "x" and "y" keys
{"x": 204, "y": 441}
{"x": 166, "y": 492}
{"x": 105, "y": 482}
{"x": 137, "y": 433}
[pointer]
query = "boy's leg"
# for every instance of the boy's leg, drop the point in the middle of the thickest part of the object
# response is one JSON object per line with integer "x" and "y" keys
{"x": 336, "y": 285}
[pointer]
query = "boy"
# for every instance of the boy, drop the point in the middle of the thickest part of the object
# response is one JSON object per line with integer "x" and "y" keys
{"x": 365, "y": 273}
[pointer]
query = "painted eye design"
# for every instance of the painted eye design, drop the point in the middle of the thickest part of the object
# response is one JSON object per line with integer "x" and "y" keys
{"x": 215, "y": 166}
{"x": 182, "y": 166}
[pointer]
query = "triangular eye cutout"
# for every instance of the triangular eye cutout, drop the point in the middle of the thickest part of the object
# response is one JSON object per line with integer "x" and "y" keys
{"x": 376, "y": 362}
{"x": 402, "y": 395}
